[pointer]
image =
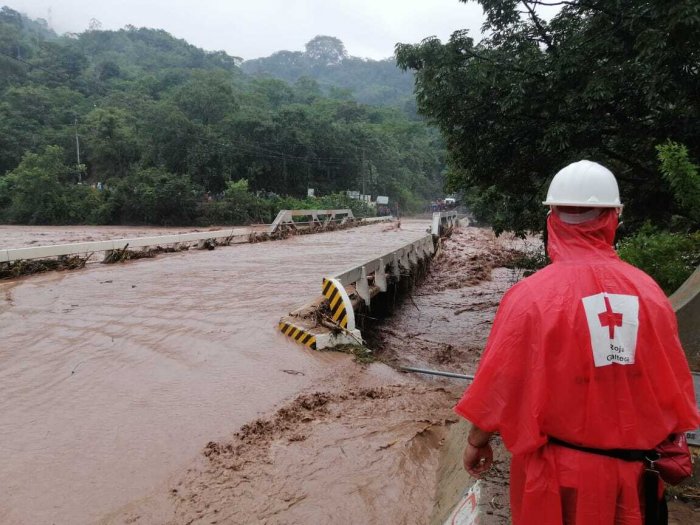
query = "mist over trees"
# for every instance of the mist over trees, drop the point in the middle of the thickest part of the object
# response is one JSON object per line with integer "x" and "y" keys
{"x": 340, "y": 76}
{"x": 165, "y": 130}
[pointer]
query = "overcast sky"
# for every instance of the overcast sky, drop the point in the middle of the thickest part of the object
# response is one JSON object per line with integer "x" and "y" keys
{"x": 255, "y": 28}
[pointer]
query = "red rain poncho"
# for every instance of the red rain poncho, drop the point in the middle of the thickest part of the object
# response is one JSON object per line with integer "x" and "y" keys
{"x": 586, "y": 350}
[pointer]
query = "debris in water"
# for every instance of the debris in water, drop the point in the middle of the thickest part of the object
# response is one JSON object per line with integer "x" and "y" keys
{"x": 11, "y": 270}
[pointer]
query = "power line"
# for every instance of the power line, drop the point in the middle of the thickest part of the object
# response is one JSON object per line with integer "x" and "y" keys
{"x": 52, "y": 73}
{"x": 254, "y": 149}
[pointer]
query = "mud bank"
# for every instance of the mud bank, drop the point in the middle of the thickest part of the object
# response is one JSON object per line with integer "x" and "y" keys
{"x": 359, "y": 450}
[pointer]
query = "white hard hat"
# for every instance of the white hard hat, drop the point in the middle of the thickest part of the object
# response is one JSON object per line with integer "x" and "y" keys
{"x": 584, "y": 183}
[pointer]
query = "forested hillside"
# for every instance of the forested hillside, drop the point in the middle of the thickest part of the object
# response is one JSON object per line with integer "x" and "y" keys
{"x": 135, "y": 126}
{"x": 325, "y": 59}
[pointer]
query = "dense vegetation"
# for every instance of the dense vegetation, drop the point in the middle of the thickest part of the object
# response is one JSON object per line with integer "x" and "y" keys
{"x": 608, "y": 80}
{"x": 617, "y": 81}
{"x": 325, "y": 60}
{"x": 171, "y": 134}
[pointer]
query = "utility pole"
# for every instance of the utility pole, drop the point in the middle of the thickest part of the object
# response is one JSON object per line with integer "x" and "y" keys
{"x": 77, "y": 150}
{"x": 363, "y": 171}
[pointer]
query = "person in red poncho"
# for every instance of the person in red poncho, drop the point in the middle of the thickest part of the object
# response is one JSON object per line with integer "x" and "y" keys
{"x": 586, "y": 353}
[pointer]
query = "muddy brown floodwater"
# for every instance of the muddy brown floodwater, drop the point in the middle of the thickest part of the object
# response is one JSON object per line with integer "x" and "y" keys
{"x": 159, "y": 391}
{"x": 363, "y": 446}
{"x": 113, "y": 378}
{"x": 23, "y": 236}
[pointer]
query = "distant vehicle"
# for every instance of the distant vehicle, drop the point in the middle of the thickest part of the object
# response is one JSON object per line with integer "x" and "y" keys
{"x": 449, "y": 201}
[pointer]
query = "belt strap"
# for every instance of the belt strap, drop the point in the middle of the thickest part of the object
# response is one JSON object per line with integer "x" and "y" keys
{"x": 617, "y": 453}
{"x": 651, "y": 497}
{"x": 650, "y": 477}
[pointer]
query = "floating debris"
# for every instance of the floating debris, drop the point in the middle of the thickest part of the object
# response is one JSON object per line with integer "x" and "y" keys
{"x": 14, "y": 269}
{"x": 124, "y": 254}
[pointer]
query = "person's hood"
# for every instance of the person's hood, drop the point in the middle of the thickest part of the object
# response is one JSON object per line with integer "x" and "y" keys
{"x": 576, "y": 242}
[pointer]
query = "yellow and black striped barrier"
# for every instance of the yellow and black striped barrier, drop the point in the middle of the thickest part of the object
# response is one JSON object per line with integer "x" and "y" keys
{"x": 339, "y": 303}
{"x": 330, "y": 319}
{"x": 298, "y": 334}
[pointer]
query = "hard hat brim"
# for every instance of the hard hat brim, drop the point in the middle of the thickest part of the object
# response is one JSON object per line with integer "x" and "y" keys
{"x": 582, "y": 204}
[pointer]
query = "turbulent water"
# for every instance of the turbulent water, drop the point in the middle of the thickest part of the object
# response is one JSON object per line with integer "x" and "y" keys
{"x": 114, "y": 377}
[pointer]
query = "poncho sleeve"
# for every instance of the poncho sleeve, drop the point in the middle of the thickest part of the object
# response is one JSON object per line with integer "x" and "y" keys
{"x": 507, "y": 395}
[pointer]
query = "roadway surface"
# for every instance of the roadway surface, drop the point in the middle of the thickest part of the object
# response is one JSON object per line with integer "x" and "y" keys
{"x": 113, "y": 378}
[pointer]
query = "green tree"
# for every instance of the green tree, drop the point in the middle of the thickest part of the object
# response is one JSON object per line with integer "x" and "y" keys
{"x": 326, "y": 50}
{"x": 377, "y": 82}
{"x": 112, "y": 145}
{"x": 682, "y": 175}
{"x": 33, "y": 116}
{"x": 153, "y": 196}
{"x": 605, "y": 80}
{"x": 669, "y": 258}
{"x": 207, "y": 98}
{"x": 40, "y": 191}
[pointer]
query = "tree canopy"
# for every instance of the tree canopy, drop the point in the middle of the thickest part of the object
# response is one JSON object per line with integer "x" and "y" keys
{"x": 606, "y": 80}
{"x": 150, "y": 118}
{"x": 339, "y": 75}
{"x": 327, "y": 50}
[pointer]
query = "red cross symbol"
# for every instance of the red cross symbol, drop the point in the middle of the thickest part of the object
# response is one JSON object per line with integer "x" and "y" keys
{"x": 609, "y": 318}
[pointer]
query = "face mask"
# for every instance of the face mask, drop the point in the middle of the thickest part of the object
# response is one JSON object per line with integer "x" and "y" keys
{"x": 579, "y": 218}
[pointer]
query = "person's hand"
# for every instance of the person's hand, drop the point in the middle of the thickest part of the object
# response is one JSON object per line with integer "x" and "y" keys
{"x": 477, "y": 460}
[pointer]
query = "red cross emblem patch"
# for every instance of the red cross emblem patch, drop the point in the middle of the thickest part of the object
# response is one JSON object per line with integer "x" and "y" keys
{"x": 613, "y": 322}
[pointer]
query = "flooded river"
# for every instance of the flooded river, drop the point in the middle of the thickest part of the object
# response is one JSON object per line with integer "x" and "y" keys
{"x": 114, "y": 377}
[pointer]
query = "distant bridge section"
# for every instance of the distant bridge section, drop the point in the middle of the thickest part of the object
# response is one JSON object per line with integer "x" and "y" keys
{"x": 285, "y": 223}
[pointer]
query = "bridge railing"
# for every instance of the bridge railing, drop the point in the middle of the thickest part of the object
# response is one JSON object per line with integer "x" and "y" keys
{"x": 79, "y": 248}
{"x": 321, "y": 218}
{"x": 329, "y": 320}
{"x": 443, "y": 222}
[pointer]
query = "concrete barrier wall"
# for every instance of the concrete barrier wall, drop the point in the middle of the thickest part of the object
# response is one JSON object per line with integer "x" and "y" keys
{"x": 329, "y": 319}
{"x": 82, "y": 248}
{"x": 39, "y": 252}
{"x": 444, "y": 222}
{"x": 686, "y": 303}
{"x": 420, "y": 248}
